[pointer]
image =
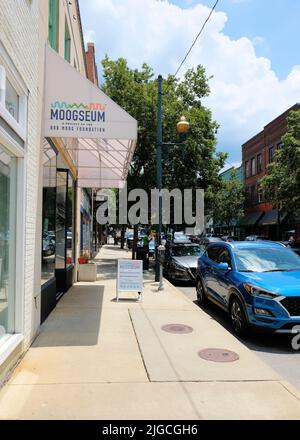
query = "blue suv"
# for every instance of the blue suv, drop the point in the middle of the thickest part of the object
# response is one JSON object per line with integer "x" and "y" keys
{"x": 257, "y": 283}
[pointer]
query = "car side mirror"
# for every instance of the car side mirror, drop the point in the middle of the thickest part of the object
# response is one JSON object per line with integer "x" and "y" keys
{"x": 224, "y": 266}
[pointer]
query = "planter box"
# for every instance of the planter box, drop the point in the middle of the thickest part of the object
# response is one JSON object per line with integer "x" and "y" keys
{"x": 87, "y": 272}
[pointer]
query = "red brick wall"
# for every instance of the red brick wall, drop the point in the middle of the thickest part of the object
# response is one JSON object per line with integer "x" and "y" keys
{"x": 260, "y": 143}
{"x": 91, "y": 64}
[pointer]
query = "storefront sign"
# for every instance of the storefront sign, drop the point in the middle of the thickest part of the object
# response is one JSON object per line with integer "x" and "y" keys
{"x": 130, "y": 276}
{"x": 76, "y": 108}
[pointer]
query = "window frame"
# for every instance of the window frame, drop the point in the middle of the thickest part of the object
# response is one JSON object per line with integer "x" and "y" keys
{"x": 271, "y": 148}
{"x": 247, "y": 169}
{"x": 9, "y": 72}
{"x": 67, "y": 48}
{"x": 259, "y": 163}
{"x": 260, "y": 195}
{"x": 53, "y": 24}
{"x": 252, "y": 166}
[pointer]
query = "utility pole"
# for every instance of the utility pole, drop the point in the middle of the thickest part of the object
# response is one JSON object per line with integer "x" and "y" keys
{"x": 159, "y": 175}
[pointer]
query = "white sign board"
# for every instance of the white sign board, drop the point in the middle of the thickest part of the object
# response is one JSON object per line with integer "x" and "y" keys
{"x": 130, "y": 277}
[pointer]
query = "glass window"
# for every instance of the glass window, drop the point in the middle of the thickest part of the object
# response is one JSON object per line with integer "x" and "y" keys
{"x": 61, "y": 215}
{"x": 260, "y": 195}
{"x": 268, "y": 259}
{"x": 49, "y": 213}
{"x": 185, "y": 251}
{"x": 271, "y": 154}
{"x": 224, "y": 257}
{"x": 247, "y": 169}
{"x": 7, "y": 242}
{"x": 11, "y": 100}
{"x": 259, "y": 163}
{"x": 253, "y": 166}
{"x": 213, "y": 253}
{"x": 67, "y": 43}
{"x": 253, "y": 194}
{"x": 53, "y": 24}
{"x": 70, "y": 221}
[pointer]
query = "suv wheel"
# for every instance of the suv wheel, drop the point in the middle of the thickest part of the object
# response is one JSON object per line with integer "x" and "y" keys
{"x": 201, "y": 297}
{"x": 238, "y": 317}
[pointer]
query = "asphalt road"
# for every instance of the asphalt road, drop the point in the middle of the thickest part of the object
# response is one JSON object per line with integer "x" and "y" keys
{"x": 275, "y": 350}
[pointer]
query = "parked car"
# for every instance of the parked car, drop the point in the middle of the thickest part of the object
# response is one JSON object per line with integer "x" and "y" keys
{"x": 180, "y": 237}
{"x": 230, "y": 238}
{"x": 256, "y": 283}
{"x": 181, "y": 261}
{"x": 256, "y": 238}
{"x": 205, "y": 241}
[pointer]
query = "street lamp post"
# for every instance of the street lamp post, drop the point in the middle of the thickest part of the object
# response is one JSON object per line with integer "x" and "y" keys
{"x": 182, "y": 128}
{"x": 159, "y": 174}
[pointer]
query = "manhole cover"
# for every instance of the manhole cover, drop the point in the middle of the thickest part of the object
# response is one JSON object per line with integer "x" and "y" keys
{"x": 177, "y": 328}
{"x": 218, "y": 355}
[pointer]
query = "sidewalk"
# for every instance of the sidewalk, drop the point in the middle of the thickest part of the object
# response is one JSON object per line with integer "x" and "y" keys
{"x": 99, "y": 359}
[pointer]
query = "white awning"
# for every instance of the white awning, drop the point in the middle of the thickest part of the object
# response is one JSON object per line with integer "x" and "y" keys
{"x": 101, "y": 136}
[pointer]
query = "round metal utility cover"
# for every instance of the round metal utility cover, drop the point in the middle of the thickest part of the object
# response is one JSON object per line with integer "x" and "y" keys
{"x": 218, "y": 355}
{"x": 177, "y": 328}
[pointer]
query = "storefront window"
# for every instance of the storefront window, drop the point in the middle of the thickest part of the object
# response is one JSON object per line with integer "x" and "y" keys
{"x": 86, "y": 220}
{"x": 7, "y": 242}
{"x": 64, "y": 219}
{"x": 61, "y": 215}
{"x": 70, "y": 221}
{"x": 49, "y": 213}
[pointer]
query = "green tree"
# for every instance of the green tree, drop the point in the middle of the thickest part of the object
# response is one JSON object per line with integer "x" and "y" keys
{"x": 281, "y": 185}
{"x": 196, "y": 164}
{"x": 227, "y": 203}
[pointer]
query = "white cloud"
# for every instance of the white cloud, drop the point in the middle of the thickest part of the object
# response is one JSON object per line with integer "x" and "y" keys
{"x": 257, "y": 41}
{"x": 245, "y": 91}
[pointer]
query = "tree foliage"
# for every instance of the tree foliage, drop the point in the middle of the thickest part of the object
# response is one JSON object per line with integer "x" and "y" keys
{"x": 227, "y": 203}
{"x": 196, "y": 164}
{"x": 281, "y": 185}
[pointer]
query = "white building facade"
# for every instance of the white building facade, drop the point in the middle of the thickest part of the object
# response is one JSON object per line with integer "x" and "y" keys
{"x": 20, "y": 134}
{"x": 45, "y": 165}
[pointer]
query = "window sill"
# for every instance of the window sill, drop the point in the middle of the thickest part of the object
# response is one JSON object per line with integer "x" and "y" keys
{"x": 7, "y": 348}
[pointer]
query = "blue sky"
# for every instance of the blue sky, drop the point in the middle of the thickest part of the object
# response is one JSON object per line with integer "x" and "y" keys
{"x": 250, "y": 47}
{"x": 273, "y": 23}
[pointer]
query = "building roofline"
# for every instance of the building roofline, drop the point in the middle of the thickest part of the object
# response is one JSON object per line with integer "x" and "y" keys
{"x": 81, "y": 34}
{"x": 293, "y": 107}
{"x": 261, "y": 133}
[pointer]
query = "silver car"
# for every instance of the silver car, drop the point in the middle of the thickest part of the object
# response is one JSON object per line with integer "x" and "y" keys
{"x": 181, "y": 261}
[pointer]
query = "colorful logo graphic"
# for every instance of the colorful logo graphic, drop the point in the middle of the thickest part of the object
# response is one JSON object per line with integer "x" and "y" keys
{"x": 77, "y": 113}
{"x": 93, "y": 106}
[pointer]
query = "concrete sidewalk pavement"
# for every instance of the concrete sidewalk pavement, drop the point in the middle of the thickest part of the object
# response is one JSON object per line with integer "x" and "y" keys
{"x": 99, "y": 359}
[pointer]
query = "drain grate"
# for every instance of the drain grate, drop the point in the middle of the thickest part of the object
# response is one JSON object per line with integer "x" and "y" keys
{"x": 218, "y": 355}
{"x": 177, "y": 328}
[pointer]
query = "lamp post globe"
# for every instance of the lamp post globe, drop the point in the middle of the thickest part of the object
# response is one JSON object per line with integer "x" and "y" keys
{"x": 183, "y": 126}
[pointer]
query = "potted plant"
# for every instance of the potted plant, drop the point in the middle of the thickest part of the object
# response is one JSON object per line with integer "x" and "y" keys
{"x": 87, "y": 271}
{"x": 84, "y": 258}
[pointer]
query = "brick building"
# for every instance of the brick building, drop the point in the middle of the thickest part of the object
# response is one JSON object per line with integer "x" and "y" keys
{"x": 92, "y": 72}
{"x": 261, "y": 217}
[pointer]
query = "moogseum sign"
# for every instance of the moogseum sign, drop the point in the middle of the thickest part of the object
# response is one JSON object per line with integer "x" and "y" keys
{"x": 137, "y": 207}
{"x": 77, "y": 118}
